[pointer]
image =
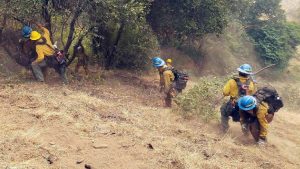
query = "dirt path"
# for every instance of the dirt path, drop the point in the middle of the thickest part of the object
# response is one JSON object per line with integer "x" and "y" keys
{"x": 119, "y": 125}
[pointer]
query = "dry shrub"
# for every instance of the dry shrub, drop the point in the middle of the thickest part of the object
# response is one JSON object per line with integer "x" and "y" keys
{"x": 201, "y": 99}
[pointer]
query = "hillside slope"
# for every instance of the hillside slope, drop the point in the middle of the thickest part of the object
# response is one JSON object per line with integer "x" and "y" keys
{"x": 116, "y": 120}
{"x": 120, "y": 123}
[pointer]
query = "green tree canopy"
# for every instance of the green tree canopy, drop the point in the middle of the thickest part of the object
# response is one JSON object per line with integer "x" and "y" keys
{"x": 181, "y": 19}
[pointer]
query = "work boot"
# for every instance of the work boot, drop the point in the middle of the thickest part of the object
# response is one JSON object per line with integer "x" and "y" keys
{"x": 261, "y": 142}
{"x": 224, "y": 123}
{"x": 168, "y": 102}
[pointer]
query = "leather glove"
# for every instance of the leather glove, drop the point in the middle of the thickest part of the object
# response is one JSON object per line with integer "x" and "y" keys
{"x": 269, "y": 117}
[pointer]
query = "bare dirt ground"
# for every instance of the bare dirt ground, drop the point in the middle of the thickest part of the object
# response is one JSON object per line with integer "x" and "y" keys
{"x": 118, "y": 122}
{"x": 292, "y": 8}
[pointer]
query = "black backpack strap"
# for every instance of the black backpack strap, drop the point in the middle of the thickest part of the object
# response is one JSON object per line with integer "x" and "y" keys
{"x": 43, "y": 42}
{"x": 242, "y": 87}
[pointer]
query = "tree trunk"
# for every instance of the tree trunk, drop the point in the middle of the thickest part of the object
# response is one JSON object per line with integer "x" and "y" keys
{"x": 73, "y": 56}
{"x": 47, "y": 17}
{"x": 111, "y": 52}
{"x": 3, "y": 24}
{"x": 77, "y": 13}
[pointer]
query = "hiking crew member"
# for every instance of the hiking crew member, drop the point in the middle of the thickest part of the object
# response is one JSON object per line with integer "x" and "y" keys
{"x": 26, "y": 32}
{"x": 45, "y": 54}
{"x": 26, "y": 49}
{"x": 257, "y": 111}
{"x": 83, "y": 59}
{"x": 249, "y": 105}
{"x": 169, "y": 63}
{"x": 235, "y": 88}
{"x": 166, "y": 80}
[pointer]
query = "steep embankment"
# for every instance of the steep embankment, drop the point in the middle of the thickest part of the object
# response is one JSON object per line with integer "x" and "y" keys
{"x": 119, "y": 123}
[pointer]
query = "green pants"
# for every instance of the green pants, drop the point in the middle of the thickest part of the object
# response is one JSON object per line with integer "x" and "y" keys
{"x": 37, "y": 70}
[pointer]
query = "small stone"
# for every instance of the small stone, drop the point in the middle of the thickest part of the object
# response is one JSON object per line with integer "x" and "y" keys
{"x": 99, "y": 146}
{"x": 127, "y": 144}
{"x": 51, "y": 143}
{"x": 206, "y": 154}
{"x": 86, "y": 166}
{"x": 104, "y": 131}
{"x": 149, "y": 146}
{"x": 79, "y": 161}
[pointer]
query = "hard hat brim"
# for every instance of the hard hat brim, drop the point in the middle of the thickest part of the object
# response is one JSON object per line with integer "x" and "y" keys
{"x": 242, "y": 71}
{"x": 26, "y": 36}
{"x": 160, "y": 65}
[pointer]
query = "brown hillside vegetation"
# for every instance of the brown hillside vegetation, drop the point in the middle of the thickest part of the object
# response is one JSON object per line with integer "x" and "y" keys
{"x": 118, "y": 122}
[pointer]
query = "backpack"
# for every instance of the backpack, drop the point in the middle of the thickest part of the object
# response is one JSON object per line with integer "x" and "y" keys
{"x": 25, "y": 58}
{"x": 270, "y": 96}
{"x": 181, "y": 79}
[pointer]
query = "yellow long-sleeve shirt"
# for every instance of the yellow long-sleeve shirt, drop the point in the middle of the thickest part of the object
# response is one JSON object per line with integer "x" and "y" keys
{"x": 261, "y": 114}
{"x": 43, "y": 49}
{"x": 168, "y": 77}
{"x": 231, "y": 88}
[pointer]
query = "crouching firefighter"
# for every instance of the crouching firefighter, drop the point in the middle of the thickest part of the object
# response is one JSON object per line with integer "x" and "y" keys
{"x": 257, "y": 112}
{"x": 172, "y": 81}
{"x": 46, "y": 55}
{"x": 235, "y": 88}
{"x": 26, "y": 50}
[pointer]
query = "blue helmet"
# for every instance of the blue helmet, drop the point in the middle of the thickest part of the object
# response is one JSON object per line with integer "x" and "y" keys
{"x": 247, "y": 103}
{"x": 157, "y": 62}
{"x": 26, "y": 31}
{"x": 245, "y": 68}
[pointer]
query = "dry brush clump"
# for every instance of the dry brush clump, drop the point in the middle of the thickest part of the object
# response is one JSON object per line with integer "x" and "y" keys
{"x": 201, "y": 100}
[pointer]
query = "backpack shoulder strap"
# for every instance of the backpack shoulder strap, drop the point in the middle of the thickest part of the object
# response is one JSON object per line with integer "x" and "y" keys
{"x": 238, "y": 81}
{"x": 44, "y": 42}
{"x": 242, "y": 87}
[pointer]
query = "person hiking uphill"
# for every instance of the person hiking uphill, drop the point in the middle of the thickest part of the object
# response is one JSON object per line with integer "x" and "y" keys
{"x": 45, "y": 54}
{"x": 257, "y": 111}
{"x": 26, "y": 49}
{"x": 236, "y": 88}
{"x": 166, "y": 80}
{"x": 26, "y": 32}
{"x": 169, "y": 63}
{"x": 249, "y": 106}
